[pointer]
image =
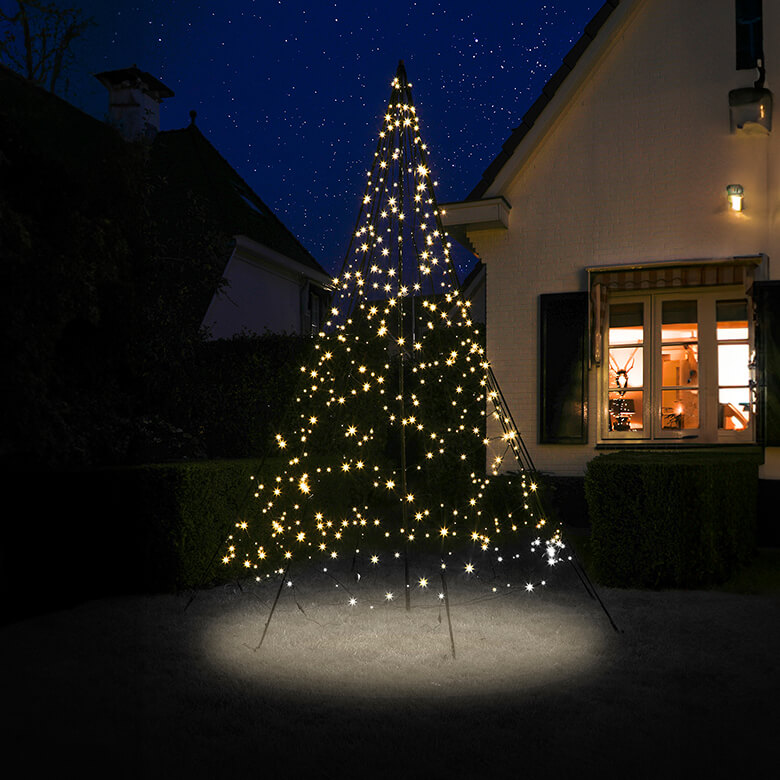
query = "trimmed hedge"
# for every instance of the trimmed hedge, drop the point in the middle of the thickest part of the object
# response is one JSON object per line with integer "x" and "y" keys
{"x": 97, "y": 533}
{"x": 671, "y": 519}
{"x": 182, "y": 513}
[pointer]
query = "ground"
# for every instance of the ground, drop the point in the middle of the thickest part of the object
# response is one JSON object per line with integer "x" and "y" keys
{"x": 540, "y": 682}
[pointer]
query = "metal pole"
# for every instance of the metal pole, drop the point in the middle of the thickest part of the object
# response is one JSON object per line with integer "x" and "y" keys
{"x": 447, "y": 607}
{"x": 273, "y": 607}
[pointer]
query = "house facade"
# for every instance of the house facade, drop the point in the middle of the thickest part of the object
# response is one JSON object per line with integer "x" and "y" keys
{"x": 629, "y": 228}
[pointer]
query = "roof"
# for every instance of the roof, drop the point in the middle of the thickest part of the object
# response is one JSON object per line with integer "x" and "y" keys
{"x": 190, "y": 163}
{"x": 548, "y": 91}
{"x": 75, "y": 140}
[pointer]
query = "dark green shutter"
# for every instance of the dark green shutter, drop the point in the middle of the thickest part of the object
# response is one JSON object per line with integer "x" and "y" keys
{"x": 766, "y": 297}
{"x": 563, "y": 368}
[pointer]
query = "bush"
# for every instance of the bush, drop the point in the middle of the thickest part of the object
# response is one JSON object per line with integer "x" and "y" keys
{"x": 183, "y": 514}
{"x": 99, "y": 533}
{"x": 670, "y": 520}
{"x": 236, "y": 392}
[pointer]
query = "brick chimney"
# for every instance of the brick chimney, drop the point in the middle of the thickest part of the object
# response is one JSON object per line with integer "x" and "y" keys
{"x": 134, "y": 99}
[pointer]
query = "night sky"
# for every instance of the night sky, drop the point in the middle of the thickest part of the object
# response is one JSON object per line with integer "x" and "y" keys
{"x": 291, "y": 92}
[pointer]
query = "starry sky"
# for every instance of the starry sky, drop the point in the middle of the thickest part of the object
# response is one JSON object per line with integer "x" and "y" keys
{"x": 292, "y": 92}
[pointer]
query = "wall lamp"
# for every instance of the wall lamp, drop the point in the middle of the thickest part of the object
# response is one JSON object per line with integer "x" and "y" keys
{"x": 735, "y": 194}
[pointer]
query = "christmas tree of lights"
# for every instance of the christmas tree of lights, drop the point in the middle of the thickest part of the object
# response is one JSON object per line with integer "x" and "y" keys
{"x": 398, "y": 430}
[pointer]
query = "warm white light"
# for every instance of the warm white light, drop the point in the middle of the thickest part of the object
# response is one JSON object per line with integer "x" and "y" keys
{"x": 735, "y": 194}
{"x": 349, "y": 399}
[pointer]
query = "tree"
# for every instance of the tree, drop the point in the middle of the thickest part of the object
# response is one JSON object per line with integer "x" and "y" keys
{"x": 387, "y": 441}
{"x": 37, "y": 37}
{"x": 103, "y": 297}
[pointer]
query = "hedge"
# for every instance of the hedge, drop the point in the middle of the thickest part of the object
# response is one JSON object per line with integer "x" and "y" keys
{"x": 183, "y": 513}
{"x": 671, "y": 519}
{"x": 89, "y": 534}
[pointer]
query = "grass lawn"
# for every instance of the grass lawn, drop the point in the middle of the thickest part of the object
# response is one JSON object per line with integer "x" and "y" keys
{"x": 158, "y": 686}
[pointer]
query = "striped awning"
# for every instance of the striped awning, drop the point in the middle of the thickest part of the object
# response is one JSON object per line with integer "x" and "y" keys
{"x": 661, "y": 276}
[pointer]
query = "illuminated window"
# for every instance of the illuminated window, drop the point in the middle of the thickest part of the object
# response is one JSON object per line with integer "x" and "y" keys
{"x": 626, "y": 366}
{"x": 678, "y": 367}
{"x": 733, "y": 336}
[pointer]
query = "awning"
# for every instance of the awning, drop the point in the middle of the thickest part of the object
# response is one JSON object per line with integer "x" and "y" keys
{"x": 661, "y": 276}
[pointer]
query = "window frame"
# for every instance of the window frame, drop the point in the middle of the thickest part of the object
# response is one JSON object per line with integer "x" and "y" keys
{"x": 653, "y": 433}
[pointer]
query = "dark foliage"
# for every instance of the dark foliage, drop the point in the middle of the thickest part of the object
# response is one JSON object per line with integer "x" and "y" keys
{"x": 237, "y": 391}
{"x": 671, "y": 520}
{"x": 105, "y": 279}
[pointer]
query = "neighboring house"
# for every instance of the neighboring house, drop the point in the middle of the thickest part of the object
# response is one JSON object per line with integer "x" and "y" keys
{"x": 629, "y": 229}
{"x": 272, "y": 283}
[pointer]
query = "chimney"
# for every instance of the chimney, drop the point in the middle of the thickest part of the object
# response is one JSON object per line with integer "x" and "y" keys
{"x": 134, "y": 99}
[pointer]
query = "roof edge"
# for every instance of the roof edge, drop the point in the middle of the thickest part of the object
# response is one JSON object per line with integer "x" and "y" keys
{"x": 550, "y": 89}
{"x": 253, "y": 247}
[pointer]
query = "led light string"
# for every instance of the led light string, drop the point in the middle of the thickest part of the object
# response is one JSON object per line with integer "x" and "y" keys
{"x": 399, "y": 343}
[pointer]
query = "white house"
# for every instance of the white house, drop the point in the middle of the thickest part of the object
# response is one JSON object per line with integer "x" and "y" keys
{"x": 629, "y": 228}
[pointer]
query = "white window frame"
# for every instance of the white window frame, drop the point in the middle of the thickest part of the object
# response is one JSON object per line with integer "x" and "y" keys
{"x": 708, "y": 432}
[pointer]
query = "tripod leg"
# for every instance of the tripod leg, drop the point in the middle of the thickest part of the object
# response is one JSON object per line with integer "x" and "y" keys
{"x": 273, "y": 607}
{"x": 447, "y": 606}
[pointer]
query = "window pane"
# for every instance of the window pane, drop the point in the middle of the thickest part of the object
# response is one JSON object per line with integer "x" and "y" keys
{"x": 625, "y": 411}
{"x": 732, "y": 320}
{"x": 626, "y": 323}
{"x": 733, "y": 364}
{"x": 679, "y": 409}
{"x": 628, "y": 362}
{"x": 678, "y": 321}
{"x": 734, "y": 408}
{"x": 680, "y": 365}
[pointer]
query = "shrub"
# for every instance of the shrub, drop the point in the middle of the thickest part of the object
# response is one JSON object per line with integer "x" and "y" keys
{"x": 107, "y": 532}
{"x": 183, "y": 515}
{"x": 670, "y": 519}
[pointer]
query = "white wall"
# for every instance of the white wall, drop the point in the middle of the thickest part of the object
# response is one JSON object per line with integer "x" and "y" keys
{"x": 256, "y": 298}
{"x": 635, "y": 169}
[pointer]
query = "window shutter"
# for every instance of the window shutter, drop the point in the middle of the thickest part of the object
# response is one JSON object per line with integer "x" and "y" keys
{"x": 563, "y": 368}
{"x": 766, "y": 296}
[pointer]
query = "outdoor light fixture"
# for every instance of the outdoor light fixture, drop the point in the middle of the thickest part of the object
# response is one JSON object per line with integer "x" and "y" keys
{"x": 735, "y": 193}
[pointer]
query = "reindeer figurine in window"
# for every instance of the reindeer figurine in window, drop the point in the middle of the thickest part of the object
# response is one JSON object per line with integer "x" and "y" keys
{"x": 621, "y": 409}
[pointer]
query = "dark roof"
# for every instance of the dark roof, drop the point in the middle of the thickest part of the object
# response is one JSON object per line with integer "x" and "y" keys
{"x": 548, "y": 91}
{"x": 46, "y": 121}
{"x": 184, "y": 157}
{"x": 189, "y": 162}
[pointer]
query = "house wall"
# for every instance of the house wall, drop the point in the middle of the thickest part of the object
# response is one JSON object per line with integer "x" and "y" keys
{"x": 633, "y": 170}
{"x": 257, "y": 298}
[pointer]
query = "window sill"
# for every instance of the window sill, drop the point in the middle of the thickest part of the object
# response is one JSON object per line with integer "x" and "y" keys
{"x": 679, "y": 444}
